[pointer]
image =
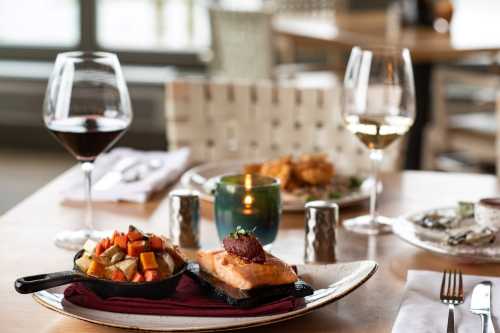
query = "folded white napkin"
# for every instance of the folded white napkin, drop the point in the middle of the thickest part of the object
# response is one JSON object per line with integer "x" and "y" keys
{"x": 421, "y": 310}
{"x": 158, "y": 170}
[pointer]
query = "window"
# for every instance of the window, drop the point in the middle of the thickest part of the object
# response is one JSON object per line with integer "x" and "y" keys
{"x": 161, "y": 32}
{"x": 47, "y": 23}
{"x": 153, "y": 25}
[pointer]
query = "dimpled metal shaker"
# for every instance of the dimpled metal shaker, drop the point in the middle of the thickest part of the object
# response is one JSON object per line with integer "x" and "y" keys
{"x": 321, "y": 220}
{"x": 184, "y": 211}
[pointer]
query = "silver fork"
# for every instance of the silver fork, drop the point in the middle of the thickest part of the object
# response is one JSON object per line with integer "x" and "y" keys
{"x": 451, "y": 294}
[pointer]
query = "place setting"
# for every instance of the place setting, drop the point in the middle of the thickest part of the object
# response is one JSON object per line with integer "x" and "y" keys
{"x": 138, "y": 279}
{"x": 143, "y": 281}
{"x": 447, "y": 302}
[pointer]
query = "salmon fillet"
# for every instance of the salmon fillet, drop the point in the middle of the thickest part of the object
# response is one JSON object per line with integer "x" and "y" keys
{"x": 245, "y": 275}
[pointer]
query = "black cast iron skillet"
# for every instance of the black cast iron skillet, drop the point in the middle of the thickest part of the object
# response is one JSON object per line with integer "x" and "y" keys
{"x": 103, "y": 288}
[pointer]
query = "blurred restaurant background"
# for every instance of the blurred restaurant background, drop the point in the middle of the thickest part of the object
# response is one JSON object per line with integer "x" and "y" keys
{"x": 303, "y": 43}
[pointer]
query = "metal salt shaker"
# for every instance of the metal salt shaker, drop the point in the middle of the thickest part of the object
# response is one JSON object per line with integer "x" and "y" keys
{"x": 184, "y": 213}
{"x": 321, "y": 220}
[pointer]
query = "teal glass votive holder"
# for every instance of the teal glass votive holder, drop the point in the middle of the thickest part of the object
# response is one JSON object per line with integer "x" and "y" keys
{"x": 250, "y": 201}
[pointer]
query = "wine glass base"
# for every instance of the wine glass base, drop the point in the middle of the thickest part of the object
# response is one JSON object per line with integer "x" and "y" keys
{"x": 74, "y": 240}
{"x": 367, "y": 226}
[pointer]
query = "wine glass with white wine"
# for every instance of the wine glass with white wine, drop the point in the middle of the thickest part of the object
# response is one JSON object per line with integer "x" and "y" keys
{"x": 379, "y": 108}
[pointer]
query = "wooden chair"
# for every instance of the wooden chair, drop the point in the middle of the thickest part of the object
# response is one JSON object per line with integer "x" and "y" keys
{"x": 468, "y": 135}
{"x": 224, "y": 120}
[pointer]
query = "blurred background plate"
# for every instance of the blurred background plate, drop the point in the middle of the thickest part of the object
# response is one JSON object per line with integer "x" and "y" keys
{"x": 203, "y": 178}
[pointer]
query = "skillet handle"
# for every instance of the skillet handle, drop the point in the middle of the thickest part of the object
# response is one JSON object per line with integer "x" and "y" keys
{"x": 33, "y": 283}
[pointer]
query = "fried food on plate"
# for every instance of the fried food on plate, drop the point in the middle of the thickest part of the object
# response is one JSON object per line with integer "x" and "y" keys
{"x": 308, "y": 169}
{"x": 313, "y": 169}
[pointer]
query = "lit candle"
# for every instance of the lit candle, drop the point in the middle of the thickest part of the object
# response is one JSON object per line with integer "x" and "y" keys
{"x": 250, "y": 201}
{"x": 248, "y": 198}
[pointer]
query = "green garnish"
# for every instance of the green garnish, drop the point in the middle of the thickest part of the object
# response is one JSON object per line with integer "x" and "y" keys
{"x": 334, "y": 195}
{"x": 311, "y": 198}
{"x": 240, "y": 231}
{"x": 355, "y": 182}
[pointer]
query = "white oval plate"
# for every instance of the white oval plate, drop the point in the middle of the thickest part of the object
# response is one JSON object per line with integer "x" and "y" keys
{"x": 434, "y": 240}
{"x": 331, "y": 282}
{"x": 202, "y": 179}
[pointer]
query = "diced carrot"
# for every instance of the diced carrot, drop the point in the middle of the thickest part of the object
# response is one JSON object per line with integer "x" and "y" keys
{"x": 106, "y": 243}
{"x": 151, "y": 275}
{"x": 156, "y": 243}
{"x": 134, "y": 234}
{"x": 99, "y": 249}
{"x": 121, "y": 241}
{"x": 118, "y": 275}
{"x": 95, "y": 269}
{"x": 148, "y": 261}
{"x": 134, "y": 249}
{"x": 138, "y": 277}
{"x": 115, "y": 233}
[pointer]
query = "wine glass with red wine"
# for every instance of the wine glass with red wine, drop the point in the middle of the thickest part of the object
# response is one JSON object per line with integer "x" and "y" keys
{"x": 87, "y": 108}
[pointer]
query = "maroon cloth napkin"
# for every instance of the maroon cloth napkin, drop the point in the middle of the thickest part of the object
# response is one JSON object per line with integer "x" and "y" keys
{"x": 188, "y": 300}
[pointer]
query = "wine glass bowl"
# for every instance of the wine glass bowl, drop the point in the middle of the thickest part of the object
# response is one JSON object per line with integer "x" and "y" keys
{"x": 87, "y": 108}
{"x": 379, "y": 108}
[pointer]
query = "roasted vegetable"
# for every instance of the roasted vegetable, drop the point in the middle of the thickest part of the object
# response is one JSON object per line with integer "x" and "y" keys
{"x": 138, "y": 277}
{"x": 148, "y": 261}
{"x": 111, "y": 251}
{"x": 90, "y": 246}
{"x": 117, "y": 257}
{"x": 108, "y": 272}
{"x": 174, "y": 251}
{"x": 118, "y": 276}
{"x": 134, "y": 234}
{"x": 121, "y": 241}
{"x": 151, "y": 275}
{"x": 83, "y": 263}
{"x": 99, "y": 249}
{"x": 155, "y": 243}
{"x": 136, "y": 248}
{"x": 106, "y": 243}
{"x": 132, "y": 256}
{"x": 128, "y": 267}
{"x": 96, "y": 269}
{"x": 166, "y": 265}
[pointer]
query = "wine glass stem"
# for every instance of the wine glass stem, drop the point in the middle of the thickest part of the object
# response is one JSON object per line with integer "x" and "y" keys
{"x": 376, "y": 157}
{"x": 87, "y": 168}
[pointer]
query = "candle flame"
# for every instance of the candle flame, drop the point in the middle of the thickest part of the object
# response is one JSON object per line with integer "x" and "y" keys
{"x": 248, "y": 200}
{"x": 248, "y": 182}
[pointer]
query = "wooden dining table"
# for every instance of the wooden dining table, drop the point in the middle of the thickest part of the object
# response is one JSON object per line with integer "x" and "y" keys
{"x": 27, "y": 248}
{"x": 472, "y": 33}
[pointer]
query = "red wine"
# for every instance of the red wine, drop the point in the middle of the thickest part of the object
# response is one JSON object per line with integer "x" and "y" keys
{"x": 87, "y": 137}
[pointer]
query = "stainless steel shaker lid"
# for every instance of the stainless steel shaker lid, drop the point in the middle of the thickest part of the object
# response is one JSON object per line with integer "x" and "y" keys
{"x": 321, "y": 204}
{"x": 182, "y": 192}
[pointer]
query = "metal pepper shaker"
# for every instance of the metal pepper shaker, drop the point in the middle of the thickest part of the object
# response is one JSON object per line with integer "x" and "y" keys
{"x": 321, "y": 220}
{"x": 184, "y": 213}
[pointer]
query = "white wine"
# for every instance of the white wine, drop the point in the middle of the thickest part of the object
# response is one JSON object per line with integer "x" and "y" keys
{"x": 378, "y": 131}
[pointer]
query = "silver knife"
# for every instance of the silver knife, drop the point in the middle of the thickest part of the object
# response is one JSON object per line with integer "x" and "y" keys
{"x": 480, "y": 304}
{"x": 115, "y": 175}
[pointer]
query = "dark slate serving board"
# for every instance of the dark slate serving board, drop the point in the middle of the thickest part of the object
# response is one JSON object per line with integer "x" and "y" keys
{"x": 246, "y": 298}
